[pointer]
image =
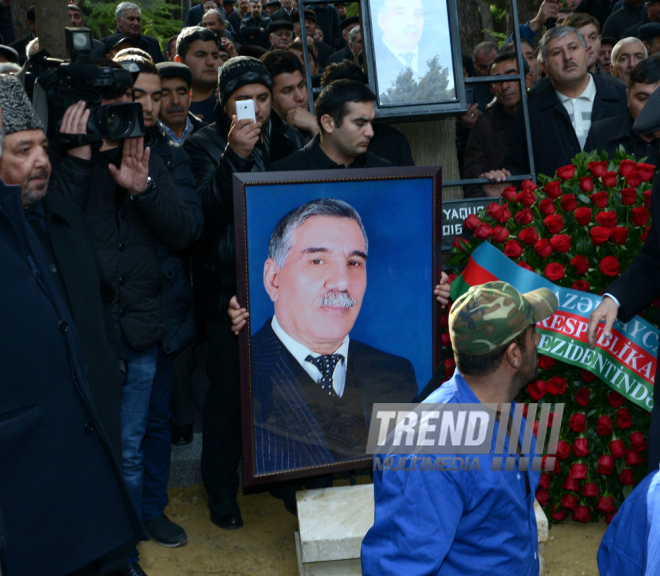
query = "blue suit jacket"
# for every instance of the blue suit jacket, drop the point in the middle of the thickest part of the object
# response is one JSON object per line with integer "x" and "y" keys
{"x": 288, "y": 434}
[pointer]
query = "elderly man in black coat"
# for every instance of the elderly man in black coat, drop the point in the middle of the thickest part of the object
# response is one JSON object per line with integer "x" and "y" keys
{"x": 129, "y": 23}
{"x": 561, "y": 112}
{"x": 64, "y": 504}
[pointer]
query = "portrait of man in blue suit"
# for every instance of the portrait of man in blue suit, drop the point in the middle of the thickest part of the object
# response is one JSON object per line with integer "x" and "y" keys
{"x": 313, "y": 386}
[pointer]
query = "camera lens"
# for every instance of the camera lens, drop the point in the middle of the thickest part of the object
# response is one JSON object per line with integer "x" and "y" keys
{"x": 119, "y": 125}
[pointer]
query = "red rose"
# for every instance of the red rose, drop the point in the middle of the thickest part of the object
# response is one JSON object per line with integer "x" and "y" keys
{"x": 512, "y": 249}
{"x": 568, "y": 203}
{"x": 582, "y": 396}
{"x": 604, "y": 426}
{"x": 578, "y": 471}
{"x": 605, "y": 504}
{"x": 605, "y": 465}
{"x": 628, "y": 196}
{"x": 645, "y": 233}
{"x": 639, "y": 216}
{"x": 590, "y": 490}
{"x": 494, "y": 209}
{"x": 499, "y": 234}
{"x": 577, "y": 422}
{"x": 547, "y": 207}
{"x": 459, "y": 243}
{"x": 446, "y": 339}
{"x": 543, "y": 248}
{"x": 600, "y": 235}
{"x": 528, "y": 236}
{"x": 544, "y": 481}
{"x": 554, "y": 271}
{"x": 634, "y": 180}
{"x": 598, "y": 169}
{"x": 610, "y": 517}
{"x": 536, "y": 390}
{"x": 556, "y": 385}
{"x": 637, "y": 442}
{"x": 627, "y": 477}
{"x": 583, "y": 215}
{"x": 634, "y": 459}
{"x": 566, "y": 172}
{"x": 609, "y": 266}
{"x": 542, "y": 496}
{"x": 587, "y": 184}
{"x": 608, "y": 179}
{"x": 561, "y": 243}
{"x": 483, "y": 231}
{"x": 555, "y": 470}
{"x": 647, "y": 198}
{"x": 527, "y": 198}
{"x": 627, "y": 167}
{"x": 582, "y": 514}
{"x": 558, "y": 514}
{"x": 582, "y": 285}
{"x": 645, "y": 171}
{"x": 587, "y": 376}
{"x": 615, "y": 399}
{"x": 571, "y": 484}
{"x": 472, "y": 221}
{"x": 580, "y": 263}
{"x": 525, "y": 266}
{"x": 569, "y": 501}
{"x": 563, "y": 449}
{"x": 617, "y": 449}
{"x": 545, "y": 362}
{"x": 553, "y": 189}
{"x": 444, "y": 320}
{"x": 511, "y": 194}
{"x": 527, "y": 184}
{"x": 619, "y": 234}
{"x": 449, "y": 366}
{"x": 607, "y": 219}
{"x": 581, "y": 447}
{"x": 600, "y": 199}
{"x": 504, "y": 214}
{"x": 524, "y": 217}
{"x": 550, "y": 419}
{"x": 623, "y": 418}
{"x": 554, "y": 223}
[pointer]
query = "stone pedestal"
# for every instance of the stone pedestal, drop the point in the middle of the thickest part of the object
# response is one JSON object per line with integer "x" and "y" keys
{"x": 333, "y": 522}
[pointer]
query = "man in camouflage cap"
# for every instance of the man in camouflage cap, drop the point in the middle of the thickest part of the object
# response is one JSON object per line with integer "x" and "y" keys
{"x": 479, "y": 520}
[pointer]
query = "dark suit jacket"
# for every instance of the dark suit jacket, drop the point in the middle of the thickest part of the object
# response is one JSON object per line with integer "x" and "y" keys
{"x": 194, "y": 15}
{"x": 20, "y": 46}
{"x": 289, "y": 431}
{"x": 607, "y": 135}
{"x": 554, "y": 142}
{"x": 64, "y": 502}
{"x": 148, "y": 44}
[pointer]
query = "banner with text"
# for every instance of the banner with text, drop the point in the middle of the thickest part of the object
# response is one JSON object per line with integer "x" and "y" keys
{"x": 626, "y": 361}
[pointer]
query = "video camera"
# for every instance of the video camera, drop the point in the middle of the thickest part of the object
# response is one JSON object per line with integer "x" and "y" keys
{"x": 57, "y": 89}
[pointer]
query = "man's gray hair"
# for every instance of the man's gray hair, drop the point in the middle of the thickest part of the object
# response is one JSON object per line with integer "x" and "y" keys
{"x": 31, "y": 48}
{"x": 123, "y": 7}
{"x": 486, "y": 47}
{"x": 621, "y": 43}
{"x": 280, "y": 240}
{"x": 209, "y": 3}
{"x": 217, "y": 12}
{"x": 353, "y": 33}
{"x": 556, "y": 33}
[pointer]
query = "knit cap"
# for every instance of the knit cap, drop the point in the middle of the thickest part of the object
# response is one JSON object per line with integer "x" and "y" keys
{"x": 241, "y": 71}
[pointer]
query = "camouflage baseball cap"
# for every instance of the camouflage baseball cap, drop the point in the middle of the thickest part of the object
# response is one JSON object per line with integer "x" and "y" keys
{"x": 491, "y": 315}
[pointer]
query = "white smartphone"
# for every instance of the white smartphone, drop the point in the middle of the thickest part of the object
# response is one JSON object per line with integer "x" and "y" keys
{"x": 245, "y": 110}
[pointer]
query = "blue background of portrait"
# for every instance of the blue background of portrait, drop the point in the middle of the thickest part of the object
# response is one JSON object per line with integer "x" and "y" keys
{"x": 397, "y": 309}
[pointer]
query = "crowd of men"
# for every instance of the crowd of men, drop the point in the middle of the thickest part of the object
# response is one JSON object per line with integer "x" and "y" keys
{"x": 102, "y": 239}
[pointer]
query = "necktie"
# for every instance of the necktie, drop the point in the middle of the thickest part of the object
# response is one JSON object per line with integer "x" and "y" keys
{"x": 326, "y": 363}
{"x": 408, "y": 58}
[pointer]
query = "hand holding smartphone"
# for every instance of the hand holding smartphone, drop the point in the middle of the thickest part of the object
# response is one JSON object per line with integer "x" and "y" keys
{"x": 245, "y": 110}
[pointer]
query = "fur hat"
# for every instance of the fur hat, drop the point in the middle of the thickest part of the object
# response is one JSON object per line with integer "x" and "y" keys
{"x": 241, "y": 71}
{"x": 17, "y": 112}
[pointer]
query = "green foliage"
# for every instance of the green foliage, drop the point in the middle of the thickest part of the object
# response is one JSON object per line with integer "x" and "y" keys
{"x": 432, "y": 87}
{"x": 159, "y": 19}
{"x": 498, "y": 37}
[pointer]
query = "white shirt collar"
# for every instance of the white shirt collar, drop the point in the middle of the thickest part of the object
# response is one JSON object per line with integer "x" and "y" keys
{"x": 589, "y": 93}
{"x": 300, "y": 352}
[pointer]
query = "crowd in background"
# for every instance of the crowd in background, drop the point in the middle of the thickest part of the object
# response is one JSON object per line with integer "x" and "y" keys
{"x": 150, "y": 214}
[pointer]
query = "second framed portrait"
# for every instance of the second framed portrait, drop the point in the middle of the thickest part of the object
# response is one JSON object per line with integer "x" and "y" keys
{"x": 336, "y": 269}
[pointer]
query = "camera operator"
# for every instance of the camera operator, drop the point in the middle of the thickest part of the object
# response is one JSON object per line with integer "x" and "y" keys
{"x": 132, "y": 206}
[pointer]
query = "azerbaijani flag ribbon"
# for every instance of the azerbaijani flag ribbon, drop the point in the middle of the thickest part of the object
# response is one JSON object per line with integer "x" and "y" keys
{"x": 626, "y": 362}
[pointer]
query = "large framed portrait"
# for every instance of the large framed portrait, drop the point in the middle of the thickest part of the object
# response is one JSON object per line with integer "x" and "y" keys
{"x": 336, "y": 269}
{"x": 413, "y": 57}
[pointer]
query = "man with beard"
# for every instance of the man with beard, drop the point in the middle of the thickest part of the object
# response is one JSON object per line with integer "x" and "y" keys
{"x": 439, "y": 521}
{"x": 175, "y": 116}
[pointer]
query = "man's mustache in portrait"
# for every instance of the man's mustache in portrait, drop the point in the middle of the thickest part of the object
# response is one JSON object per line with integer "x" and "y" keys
{"x": 335, "y": 299}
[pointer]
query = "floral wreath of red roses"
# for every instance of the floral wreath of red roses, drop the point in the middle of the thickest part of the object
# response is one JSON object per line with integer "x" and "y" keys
{"x": 579, "y": 229}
